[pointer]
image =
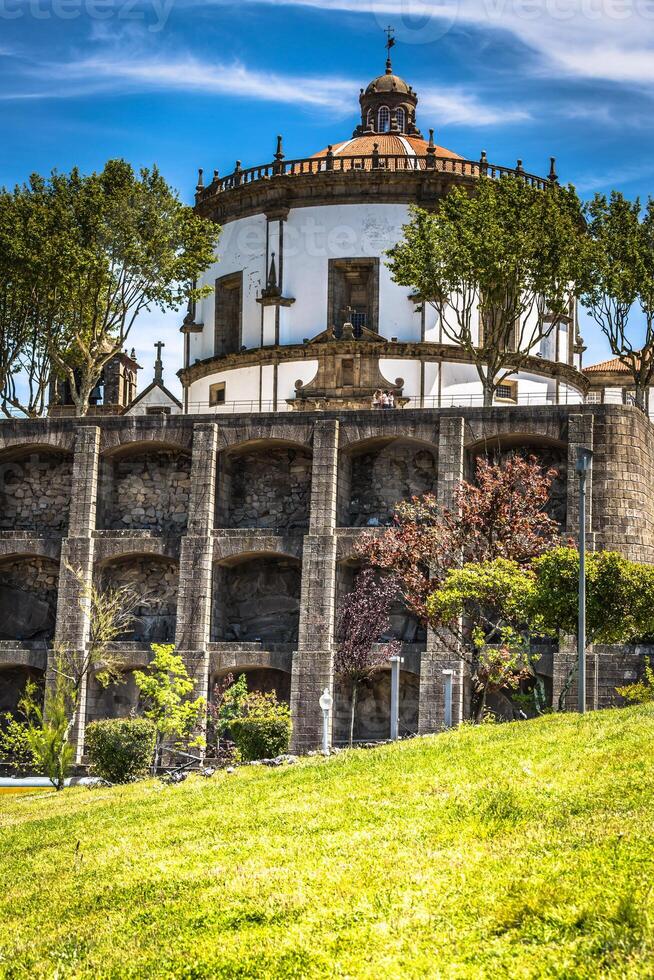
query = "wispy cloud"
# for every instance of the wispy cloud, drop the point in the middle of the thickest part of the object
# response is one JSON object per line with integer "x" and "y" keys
{"x": 595, "y": 39}
{"x": 137, "y": 72}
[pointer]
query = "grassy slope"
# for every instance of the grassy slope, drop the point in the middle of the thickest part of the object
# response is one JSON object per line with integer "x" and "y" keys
{"x": 522, "y": 850}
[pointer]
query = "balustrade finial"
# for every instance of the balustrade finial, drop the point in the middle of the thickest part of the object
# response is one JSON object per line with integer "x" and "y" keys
{"x": 553, "y": 176}
{"x": 200, "y": 183}
{"x": 519, "y": 168}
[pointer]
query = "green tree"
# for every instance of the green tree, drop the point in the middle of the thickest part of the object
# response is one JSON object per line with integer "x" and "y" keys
{"x": 619, "y": 596}
{"x": 619, "y": 282}
{"x": 165, "y": 689}
{"x": 48, "y": 734}
{"x": 109, "y": 245}
{"x": 507, "y": 256}
{"x": 488, "y": 607}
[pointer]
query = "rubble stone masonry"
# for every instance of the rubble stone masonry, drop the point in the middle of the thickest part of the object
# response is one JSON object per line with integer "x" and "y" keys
{"x": 234, "y": 527}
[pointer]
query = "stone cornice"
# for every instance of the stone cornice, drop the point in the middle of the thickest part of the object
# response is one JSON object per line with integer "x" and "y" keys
{"x": 422, "y": 351}
{"x": 270, "y": 195}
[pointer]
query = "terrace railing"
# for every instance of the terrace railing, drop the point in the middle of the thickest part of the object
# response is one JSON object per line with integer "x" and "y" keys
{"x": 374, "y": 163}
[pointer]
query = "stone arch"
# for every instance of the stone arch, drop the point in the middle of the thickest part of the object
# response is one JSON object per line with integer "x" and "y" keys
{"x": 13, "y": 680}
{"x": 258, "y": 678}
{"x": 28, "y": 597}
{"x": 145, "y": 486}
{"x": 373, "y": 714}
{"x": 551, "y": 453}
{"x": 264, "y": 483}
{"x": 35, "y": 488}
{"x": 118, "y": 699}
{"x": 404, "y": 625}
{"x": 376, "y": 474}
{"x": 256, "y": 599}
{"x": 156, "y": 578}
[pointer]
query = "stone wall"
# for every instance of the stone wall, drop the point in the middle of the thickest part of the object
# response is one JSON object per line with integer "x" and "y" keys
{"x": 263, "y": 679}
{"x": 549, "y": 457}
{"x": 267, "y": 488}
{"x": 257, "y": 599}
{"x": 381, "y": 477}
{"x": 149, "y": 491}
{"x": 372, "y": 716}
{"x": 35, "y": 493}
{"x": 28, "y": 598}
{"x": 403, "y": 624}
{"x": 156, "y": 580}
{"x": 120, "y": 699}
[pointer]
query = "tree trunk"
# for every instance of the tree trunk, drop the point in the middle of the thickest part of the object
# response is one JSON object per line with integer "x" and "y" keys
{"x": 489, "y": 393}
{"x": 640, "y": 397}
{"x": 355, "y": 688}
{"x": 478, "y": 704}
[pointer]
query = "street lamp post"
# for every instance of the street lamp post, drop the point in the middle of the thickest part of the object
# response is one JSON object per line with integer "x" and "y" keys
{"x": 396, "y": 663}
{"x": 326, "y": 702}
{"x": 448, "y": 676}
{"x": 584, "y": 463}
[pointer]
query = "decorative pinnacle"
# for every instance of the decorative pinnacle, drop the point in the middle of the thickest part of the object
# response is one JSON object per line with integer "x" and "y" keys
{"x": 279, "y": 155}
{"x": 553, "y": 176}
{"x": 200, "y": 184}
{"x": 519, "y": 168}
{"x": 431, "y": 138}
{"x": 390, "y": 42}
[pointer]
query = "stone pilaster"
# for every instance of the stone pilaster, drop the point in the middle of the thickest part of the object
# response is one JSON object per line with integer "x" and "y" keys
{"x": 313, "y": 662}
{"x": 76, "y": 568}
{"x": 196, "y": 560}
{"x": 437, "y": 657}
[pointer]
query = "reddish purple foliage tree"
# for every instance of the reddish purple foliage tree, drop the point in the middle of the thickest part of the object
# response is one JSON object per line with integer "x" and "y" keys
{"x": 363, "y": 619}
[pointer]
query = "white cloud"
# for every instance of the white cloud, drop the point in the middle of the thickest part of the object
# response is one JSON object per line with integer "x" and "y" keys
{"x": 137, "y": 72}
{"x": 595, "y": 39}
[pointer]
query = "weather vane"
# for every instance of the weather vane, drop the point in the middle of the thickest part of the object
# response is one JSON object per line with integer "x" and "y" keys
{"x": 390, "y": 42}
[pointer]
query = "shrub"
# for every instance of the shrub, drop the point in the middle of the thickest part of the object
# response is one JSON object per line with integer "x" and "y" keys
{"x": 642, "y": 692}
{"x": 121, "y": 749}
{"x": 264, "y": 729}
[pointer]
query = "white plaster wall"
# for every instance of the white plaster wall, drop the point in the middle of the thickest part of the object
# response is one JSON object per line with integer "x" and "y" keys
{"x": 287, "y": 375}
{"x": 241, "y": 385}
{"x": 242, "y": 247}
{"x": 313, "y": 236}
{"x": 393, "y": 368}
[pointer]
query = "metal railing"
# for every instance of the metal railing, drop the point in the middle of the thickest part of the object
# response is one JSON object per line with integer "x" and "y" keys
{"x": 245, "y": 406}
{"x": 368, "y": 163}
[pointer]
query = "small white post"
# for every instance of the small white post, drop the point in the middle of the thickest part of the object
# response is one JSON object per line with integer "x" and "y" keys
{"x": 326, "y": 702}
{"x": 396, "y": 663}
{"x": 447, "y": 682}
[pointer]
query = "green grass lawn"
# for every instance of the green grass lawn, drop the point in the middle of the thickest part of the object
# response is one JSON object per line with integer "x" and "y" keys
{"x": 523, "y": 850}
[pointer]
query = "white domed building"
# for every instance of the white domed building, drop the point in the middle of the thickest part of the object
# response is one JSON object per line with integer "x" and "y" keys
{"x": 304, "y": 313}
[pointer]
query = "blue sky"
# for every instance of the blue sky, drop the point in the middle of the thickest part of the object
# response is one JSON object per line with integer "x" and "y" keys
{"x": 185, "y": 84}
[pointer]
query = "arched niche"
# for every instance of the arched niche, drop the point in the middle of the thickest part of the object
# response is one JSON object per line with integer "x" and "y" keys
{"x": 264, "y": 484}
{"x": 549, "y": 453}
{"x": 155, "y": 580}
{"x": 265, "y": 680}
{"x": 376, "y": 475}
{"x": 35, "y": 489}
{"x": 373, "y": 710}
{"x": 28, "y": 597}
{"x": 145, "y": 486}
{"x": 13, "y": 682}
{"x": 256, "y": 598}
{"x": 404, "y": 626}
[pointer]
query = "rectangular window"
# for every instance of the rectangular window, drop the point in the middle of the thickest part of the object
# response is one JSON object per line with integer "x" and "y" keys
{"x": 353, "y": 294}
{"x": 507, "y": 391}
{"x": 229, "y": 305}
{"x": 158, "y": 410}
{"x": 217, "y": 394}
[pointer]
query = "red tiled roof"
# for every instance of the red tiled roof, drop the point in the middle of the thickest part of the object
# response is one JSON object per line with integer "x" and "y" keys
{"x": 614, "y": 365}
{"x": 388, "y": 144}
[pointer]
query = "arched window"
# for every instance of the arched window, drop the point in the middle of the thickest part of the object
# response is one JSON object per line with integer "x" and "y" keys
{"x": 384, "y": 119}
{"x": 371, "y": 118}
{"x": 401, "y": 120}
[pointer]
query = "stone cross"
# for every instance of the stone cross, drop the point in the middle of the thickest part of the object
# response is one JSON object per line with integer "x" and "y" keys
{"x": 158, "y": 364}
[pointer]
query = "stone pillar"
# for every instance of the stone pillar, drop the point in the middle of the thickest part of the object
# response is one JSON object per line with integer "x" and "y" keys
{"x": 76, "y": 568}
{"x": 196, "y": 560}
{"x": 313, "y": 662}
{"x": 438, "y": 657}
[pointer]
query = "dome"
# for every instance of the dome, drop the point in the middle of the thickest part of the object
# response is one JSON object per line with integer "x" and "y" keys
{"x": 388, "y": 144}
{"x": 389, "y": 83}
